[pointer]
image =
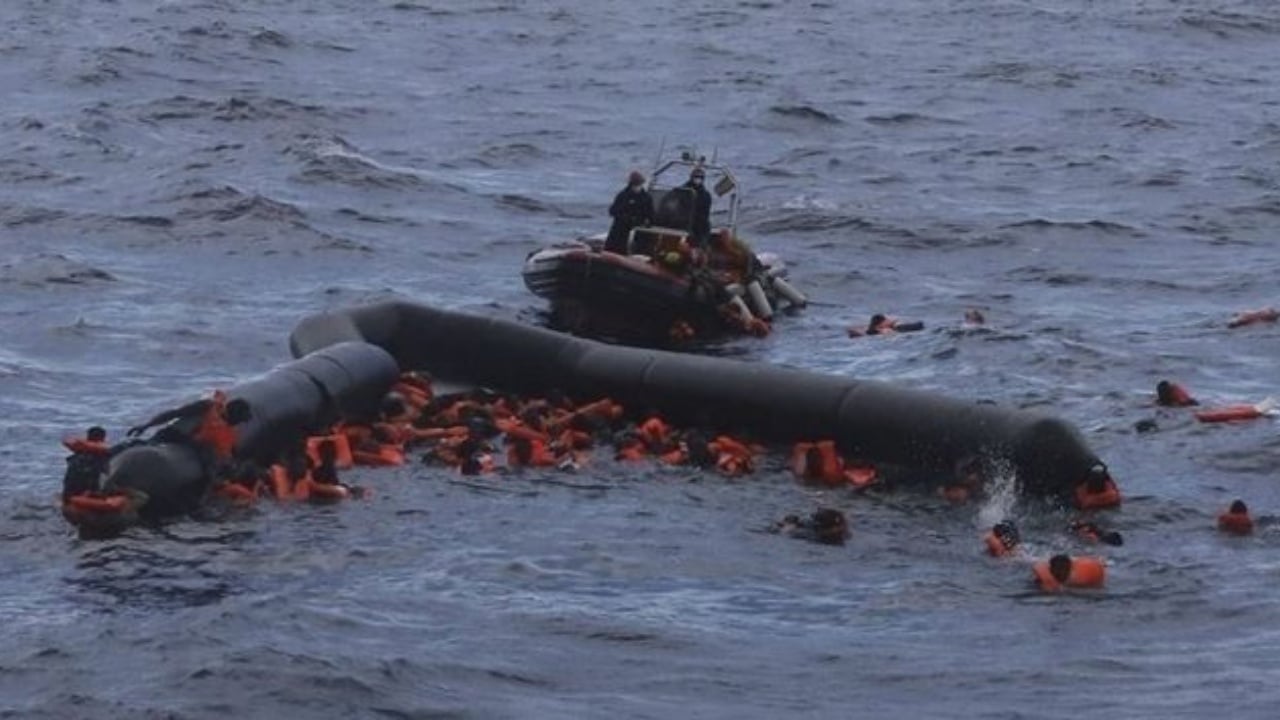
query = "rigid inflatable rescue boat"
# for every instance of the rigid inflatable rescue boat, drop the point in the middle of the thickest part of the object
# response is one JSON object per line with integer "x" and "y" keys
{"x": 666, "y": 275}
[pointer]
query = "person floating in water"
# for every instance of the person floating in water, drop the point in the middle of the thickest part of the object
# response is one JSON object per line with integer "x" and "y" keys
{"x": 86, "y": 464}
{"x": 1171, "y": 394}
{"x": 881, "y": 324}
{"x": 826, "y": 525}
{"x": 632, "y": 207}
{"x": 1002, "y": 539}
{"x": 1065, "y": 571}
{"x": 1236, "y": 520}
{"x": 1098, "y": 490}
{"x": 209, "y": 425}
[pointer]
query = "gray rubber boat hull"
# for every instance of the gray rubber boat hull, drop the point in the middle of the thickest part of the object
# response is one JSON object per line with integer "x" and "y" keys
{"x": 872, "y": 420}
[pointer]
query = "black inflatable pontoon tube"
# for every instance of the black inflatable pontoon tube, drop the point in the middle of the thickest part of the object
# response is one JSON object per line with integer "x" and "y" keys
{"x": 872, "y": 420}
{"x": 287, "y": 403}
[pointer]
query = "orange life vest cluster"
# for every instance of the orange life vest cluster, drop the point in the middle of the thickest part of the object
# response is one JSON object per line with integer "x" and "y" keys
{"x": 540, "y": 433}
{"x": 820, "y": 462}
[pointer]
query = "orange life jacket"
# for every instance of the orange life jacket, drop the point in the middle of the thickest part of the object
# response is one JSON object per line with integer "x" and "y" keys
{"x": 516, "y": 428}
{"x": 1086, "y": 572}
{"x": 1109, "y": 497}
{"x": 539, "y": 456}
{"x": 603, "y": 409}
{"x": 830, "y": 469}
{"x": 633, "y": 450}
{"x": 385, "y": 456}
{"x": 342, "y": 460}
{"x": 435, "y": 433}
{"x": 99, "y": 504}
{"x": 88, "y": 447}
{"x": 1229, "y": 413}
{"x": 733, "y": 464}
{"x": 214, "y": 432}
{"x": 281, "y": 486}
{"x": 1179, "y": 397}
{"x": 237, "y": 493}
{"x": 1235, "y": 523}
{"x": 654, "y": 433}
{"x": 302, "y": 487}
{"x": 861, "y": 475}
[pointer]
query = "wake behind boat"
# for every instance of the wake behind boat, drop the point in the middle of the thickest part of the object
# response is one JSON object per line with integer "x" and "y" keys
{"x": 673, "y": 275}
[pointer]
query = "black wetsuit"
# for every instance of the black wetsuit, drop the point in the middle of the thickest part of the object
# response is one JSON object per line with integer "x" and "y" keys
{"x": 630, "y": 209}
{"x": 701, "y": 229}
{"x": 84, "y": 473}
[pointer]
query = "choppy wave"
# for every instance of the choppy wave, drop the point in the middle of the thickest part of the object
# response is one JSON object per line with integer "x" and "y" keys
{"x": 52, "y": 268}
{"x": 805, "y": 112}
{"x": 1103, "y": 226}
{"x": 1099, "y": 179}
{"x": 1226, "y": 24}
{"x": 332, "y": 159}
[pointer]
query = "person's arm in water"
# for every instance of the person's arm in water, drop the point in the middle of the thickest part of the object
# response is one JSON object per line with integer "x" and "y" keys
{"x": 191, "y": 409}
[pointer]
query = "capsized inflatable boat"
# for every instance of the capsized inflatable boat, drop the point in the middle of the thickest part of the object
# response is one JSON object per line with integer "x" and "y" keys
{"x": 868, "y": 419}
{"x": 288, "y": 403}
{"x": 349, "y": 359}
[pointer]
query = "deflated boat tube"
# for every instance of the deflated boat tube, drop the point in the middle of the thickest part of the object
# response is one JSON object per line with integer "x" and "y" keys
{"x": 342, "y": 380}
{"x": 872, "y": 420}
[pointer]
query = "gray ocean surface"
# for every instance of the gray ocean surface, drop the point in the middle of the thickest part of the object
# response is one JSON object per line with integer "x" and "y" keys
{"x": 181, "y": 182}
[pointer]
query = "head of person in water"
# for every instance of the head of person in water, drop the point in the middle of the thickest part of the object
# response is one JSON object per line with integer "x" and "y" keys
{"x": 96, "y": 434}
{"x": 1238, "y": 508}
{"x": 392, "y": 406}
{"x": 877, "y": 320}
{"x": 1096, "y": 480}
{"x": 1007, "y": 533}
{"x": 238, "y": 412}
{"x": 1164, "y": 392}
{"x": 635, "y": 180}
{"x": 829, "y": 526}
{"x": 1060, "y": 567}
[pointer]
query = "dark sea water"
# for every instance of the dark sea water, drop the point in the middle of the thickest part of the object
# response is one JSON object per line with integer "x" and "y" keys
{"x": 183, "y": 181}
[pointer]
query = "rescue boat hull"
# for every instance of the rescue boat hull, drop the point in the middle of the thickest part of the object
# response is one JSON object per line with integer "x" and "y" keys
{"x": 593, "y": 292}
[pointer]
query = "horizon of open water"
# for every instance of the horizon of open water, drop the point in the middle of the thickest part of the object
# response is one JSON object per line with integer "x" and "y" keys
{"x": 183, "y": 181}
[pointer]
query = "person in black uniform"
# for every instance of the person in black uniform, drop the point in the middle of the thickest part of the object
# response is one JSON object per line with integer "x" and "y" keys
{"x": 701, "y": 229}
{"x": 631, "y": 208}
